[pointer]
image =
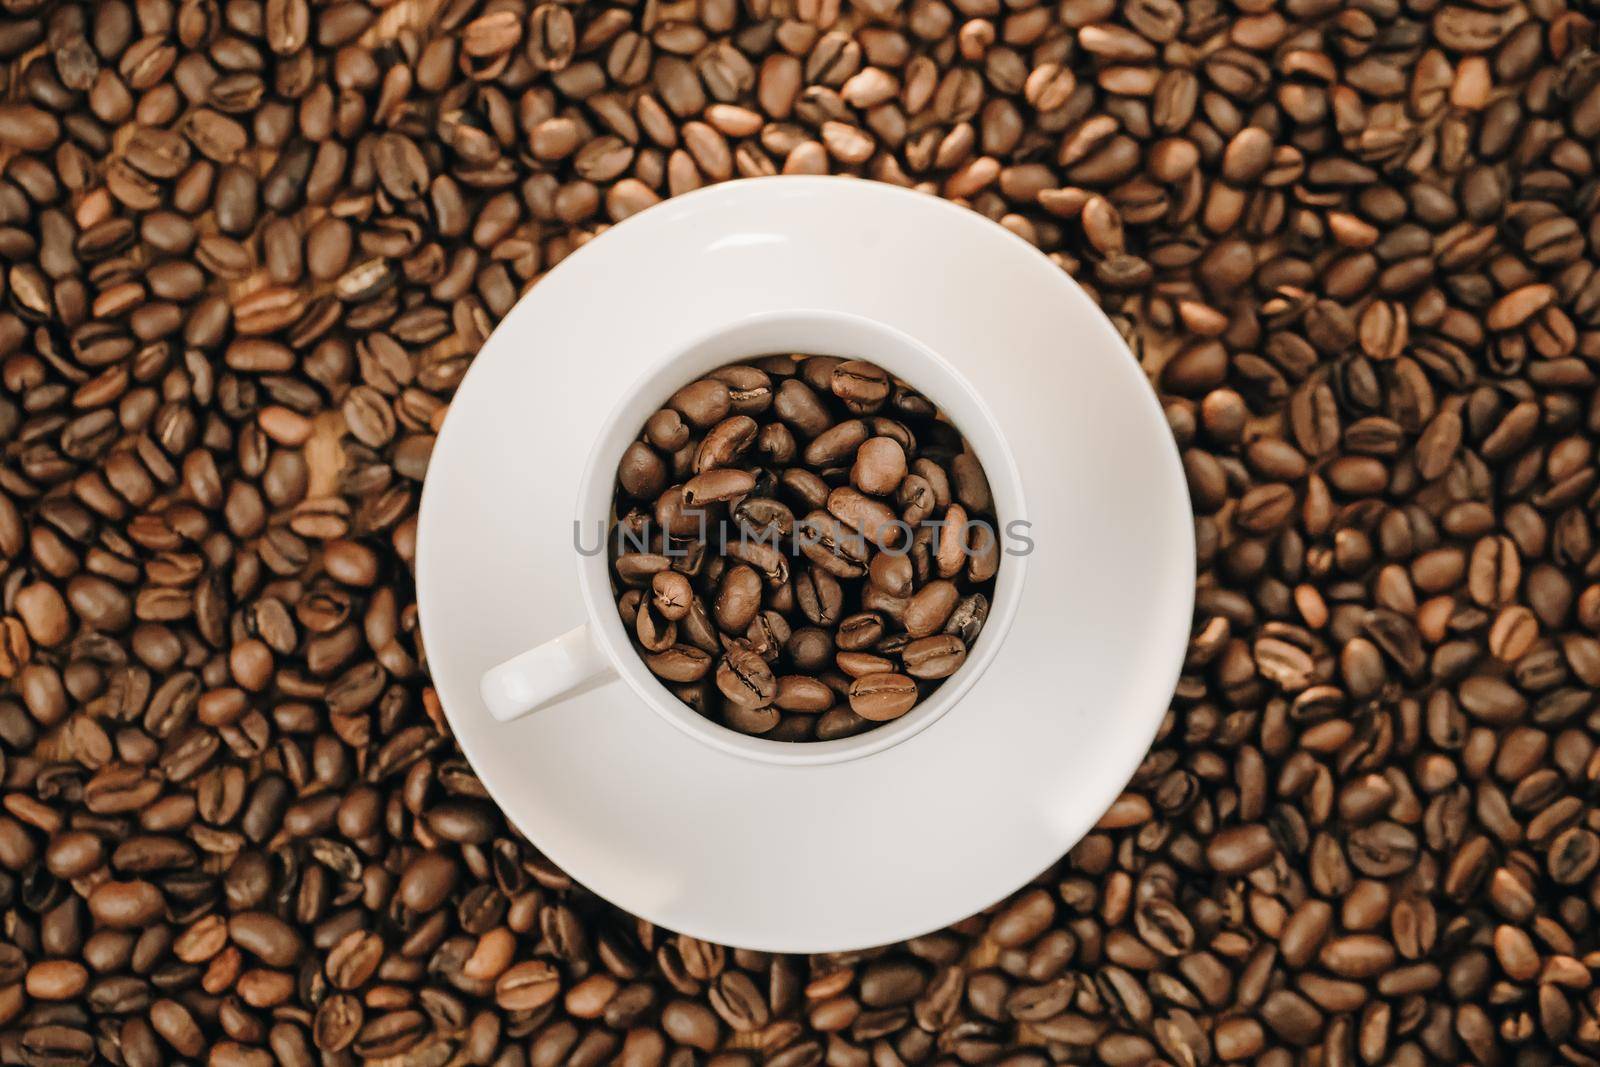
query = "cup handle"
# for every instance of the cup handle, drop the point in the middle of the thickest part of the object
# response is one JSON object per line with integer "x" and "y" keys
{"x": 541, "y": 676}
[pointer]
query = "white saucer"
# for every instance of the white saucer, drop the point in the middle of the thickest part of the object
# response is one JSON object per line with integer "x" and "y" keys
{"x": 808, "y": 859}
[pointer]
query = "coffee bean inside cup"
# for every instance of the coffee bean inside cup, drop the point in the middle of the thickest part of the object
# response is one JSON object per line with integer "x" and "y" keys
{"x": 802, "y": 547}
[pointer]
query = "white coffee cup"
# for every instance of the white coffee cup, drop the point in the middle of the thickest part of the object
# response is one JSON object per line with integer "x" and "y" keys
{"x": 597, "y": 650}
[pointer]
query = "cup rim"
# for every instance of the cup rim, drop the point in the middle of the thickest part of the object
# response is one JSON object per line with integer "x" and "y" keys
{"x": 594, "y": 498}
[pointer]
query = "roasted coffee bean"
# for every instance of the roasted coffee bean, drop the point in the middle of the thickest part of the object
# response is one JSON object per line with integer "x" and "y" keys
{"x": 861, "y": 386}
{"x": 717, "y": 486}
{"x": 527, "y": 986}
{"x": 680, "y": 663}
{"x": 934, "y": 657}
{"x": 703, "y": 403}
{"x": 882, "y": 696}
{"x": 832, "y": 546}
{"x": 745, "y": 678}
{"x": 265, "y": 936}
{"x": 799, "y": 692}
{"x": 337, "y": 1022}
{"x": 56, "y": 1046}
{"x": 880, "y": 466}
{"x": 642, "y": 472}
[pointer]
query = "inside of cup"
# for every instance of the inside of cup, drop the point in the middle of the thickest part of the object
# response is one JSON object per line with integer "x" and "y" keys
{"x": 822, "y": 333}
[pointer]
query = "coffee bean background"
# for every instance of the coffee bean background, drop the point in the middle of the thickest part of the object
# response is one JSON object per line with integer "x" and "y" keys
{"x": 249, "y": 249}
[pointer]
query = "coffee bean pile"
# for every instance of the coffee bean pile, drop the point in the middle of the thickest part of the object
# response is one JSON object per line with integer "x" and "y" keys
{"x": 248, "y": 248}
{"x": 803, "y": 548}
